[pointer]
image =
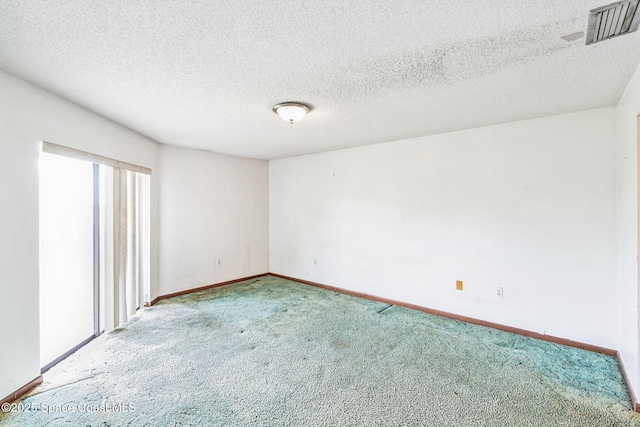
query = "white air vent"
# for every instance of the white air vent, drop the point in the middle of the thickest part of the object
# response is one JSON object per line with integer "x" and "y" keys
{"x": 616, "y": 19}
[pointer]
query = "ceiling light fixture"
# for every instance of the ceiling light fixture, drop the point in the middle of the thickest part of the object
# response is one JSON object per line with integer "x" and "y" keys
{"x": 291, "y": 111}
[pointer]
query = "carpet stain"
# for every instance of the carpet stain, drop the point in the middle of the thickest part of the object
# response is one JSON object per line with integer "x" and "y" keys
{"x": 270, "y": 352}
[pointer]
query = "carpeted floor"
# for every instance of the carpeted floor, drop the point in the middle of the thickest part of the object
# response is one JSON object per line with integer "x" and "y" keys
{"x": 272, "y": 352}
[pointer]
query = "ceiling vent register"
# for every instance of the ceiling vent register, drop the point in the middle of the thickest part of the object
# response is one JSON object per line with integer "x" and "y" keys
{"x": 616, "y": 19}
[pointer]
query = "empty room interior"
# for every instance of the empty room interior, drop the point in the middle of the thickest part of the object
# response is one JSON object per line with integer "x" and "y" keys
{"x": 319, "y": 213}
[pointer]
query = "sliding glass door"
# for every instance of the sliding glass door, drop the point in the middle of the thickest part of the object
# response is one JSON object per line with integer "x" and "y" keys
{"x": 94, "y": 247}
{"x": 68, "y": 301}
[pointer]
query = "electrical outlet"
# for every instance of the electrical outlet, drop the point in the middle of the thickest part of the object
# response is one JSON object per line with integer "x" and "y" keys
{"x": 458, "y": 285}
{"x": 219, "y": 262}
{"x": 499, "y": 292}
{"x": 315, "y": 262}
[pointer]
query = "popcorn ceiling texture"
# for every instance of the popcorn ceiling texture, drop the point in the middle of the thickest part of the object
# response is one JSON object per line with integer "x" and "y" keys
{"x": 205, "y": 74}
{"x": 273, "y": 352}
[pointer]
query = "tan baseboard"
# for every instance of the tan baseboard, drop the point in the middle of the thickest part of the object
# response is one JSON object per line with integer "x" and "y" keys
{"x": 505, "y": 328}
{"x": 627, "y": 381}
{"x": 202, "y": 288}
{"x": 22, "y": 390}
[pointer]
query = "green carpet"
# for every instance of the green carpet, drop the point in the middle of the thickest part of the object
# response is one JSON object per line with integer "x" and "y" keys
{"x": 272, "y": 352}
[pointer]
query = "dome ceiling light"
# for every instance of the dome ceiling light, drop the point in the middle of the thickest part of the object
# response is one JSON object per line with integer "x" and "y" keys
{"x": 291, "y": 111}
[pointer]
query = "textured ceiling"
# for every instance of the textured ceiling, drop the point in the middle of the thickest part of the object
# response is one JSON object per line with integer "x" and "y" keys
{"x": 205, "y": 74}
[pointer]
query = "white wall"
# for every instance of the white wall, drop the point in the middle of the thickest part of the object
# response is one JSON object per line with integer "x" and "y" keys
{"x": 212, "y": 207}
{"x": 528, "y": 206}
{"x": 28, "y": 115}
{"x": 627, "y": 160}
